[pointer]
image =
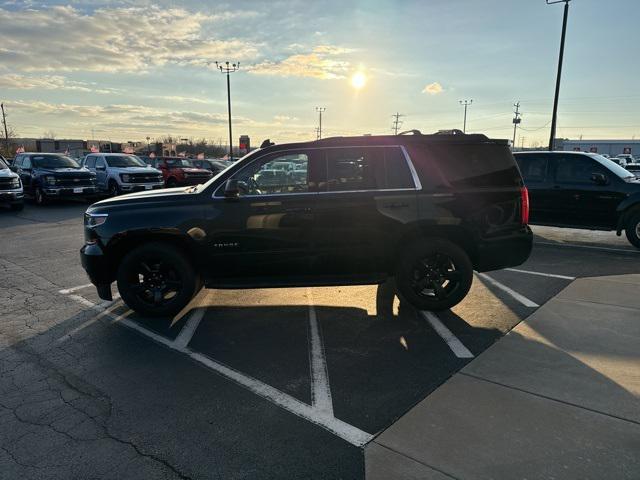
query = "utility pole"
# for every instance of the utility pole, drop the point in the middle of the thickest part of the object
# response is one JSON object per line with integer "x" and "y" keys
{"x": 516, "y": 122}
{"x": 6, "y": 131}
{"x": 229, "y": 69}
{"x": 554, "y": 116}
{"x": 465, "y": 103}
{"x": 397, "y": 123}
{"x": 320, "y": 110}
{"x": 317, "y": 133}
{"x": 148, "y": 145}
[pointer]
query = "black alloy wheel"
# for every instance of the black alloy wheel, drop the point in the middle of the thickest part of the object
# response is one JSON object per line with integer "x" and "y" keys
{"x": 434, "y": 274}
{"x": 157, "y": 280}
{"x": 114, "y": 189}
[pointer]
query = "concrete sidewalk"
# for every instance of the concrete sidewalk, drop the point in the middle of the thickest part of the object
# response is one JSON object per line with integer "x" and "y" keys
{"x": 558, "y": 397}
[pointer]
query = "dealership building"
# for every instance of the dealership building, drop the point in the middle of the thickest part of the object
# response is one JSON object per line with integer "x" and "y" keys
{"x": 609, "y": 147}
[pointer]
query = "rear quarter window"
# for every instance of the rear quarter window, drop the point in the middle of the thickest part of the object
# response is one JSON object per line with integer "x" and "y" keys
{"x": 534, "y": 168}
{"x": 474, "y": 166}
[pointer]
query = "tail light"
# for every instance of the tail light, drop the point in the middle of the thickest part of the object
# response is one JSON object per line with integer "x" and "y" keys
{"x": 524, "y": 205}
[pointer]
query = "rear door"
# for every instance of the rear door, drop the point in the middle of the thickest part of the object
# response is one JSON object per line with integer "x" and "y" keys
{"x": 369, "y": 193}
{"x": 535, "y": 169}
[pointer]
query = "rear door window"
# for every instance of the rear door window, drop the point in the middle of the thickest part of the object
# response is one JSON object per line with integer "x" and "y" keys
{"x": 533, "y": 167}
{"x": 355, "y": 169}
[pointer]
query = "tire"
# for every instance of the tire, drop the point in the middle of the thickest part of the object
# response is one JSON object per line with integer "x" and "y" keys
{"x": 16, "y": 207}
{"x": 172, "y": 183}
{"x": 39, "y": 196}
{"x": 434, "y": 274}
{"x": 114, "y": 188}
{"x": 632, "y": 229}
{"x": 157, "y": 280}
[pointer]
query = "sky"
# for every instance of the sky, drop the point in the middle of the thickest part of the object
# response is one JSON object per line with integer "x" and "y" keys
{"x": 127, "y": 70}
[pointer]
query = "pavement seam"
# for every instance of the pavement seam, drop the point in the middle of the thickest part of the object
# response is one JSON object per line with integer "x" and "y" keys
{"x": 416, "y": 460}
{"x": 540, "y": 395}
{"x": 579, "y": 300}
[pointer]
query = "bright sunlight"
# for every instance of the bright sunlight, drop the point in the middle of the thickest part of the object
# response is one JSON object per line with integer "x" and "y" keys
{"x": 358, "y": 80}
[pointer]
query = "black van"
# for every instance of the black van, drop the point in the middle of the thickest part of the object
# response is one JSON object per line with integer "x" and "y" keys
{"x": 426, "y": 209}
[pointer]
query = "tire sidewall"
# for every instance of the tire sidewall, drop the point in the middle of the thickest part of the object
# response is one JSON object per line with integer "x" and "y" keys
{"x": 113, "y": 188}
{"x": 171, "y": 255}
{"x": 39, "y": 196}
{"x": 421, "y": 249}
{"x": 631, "y": 228}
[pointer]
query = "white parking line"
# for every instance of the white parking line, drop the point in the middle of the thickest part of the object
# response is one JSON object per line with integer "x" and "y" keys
{"x": 67, "y": 291}
{"x": 185, "y": 335}
{"x": 320, "y": 388}
{"x": 588, "y": 247}
{"x": 520, "y": 298}
{"x": 455, "y": 345}
{"x": 347, "y": 432}
{"x": 552, "y": 275}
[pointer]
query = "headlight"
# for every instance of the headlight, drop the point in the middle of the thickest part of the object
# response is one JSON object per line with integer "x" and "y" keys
{"x": 15, "y": 183}
{"x": 92, "y": 220}
{"x": 125, "y": 177}
{"x": 50, "y": 180}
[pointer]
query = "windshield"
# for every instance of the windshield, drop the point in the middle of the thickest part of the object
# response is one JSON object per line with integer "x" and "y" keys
{"x": 237, "y": 162}
{"x": 613, "y": 166}
{"x": 53, "y": 161}
{"x": 2, "y": 164}
{"x": 178, "y": 162}
{"x": 123, "y": 161}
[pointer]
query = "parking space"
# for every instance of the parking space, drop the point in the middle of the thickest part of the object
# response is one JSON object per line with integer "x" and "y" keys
{"x": 268, "y": 383}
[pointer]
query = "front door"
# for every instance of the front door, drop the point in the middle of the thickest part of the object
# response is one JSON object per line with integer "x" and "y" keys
{"x": 267, "y": 230}
{"x": 101, "y": 172}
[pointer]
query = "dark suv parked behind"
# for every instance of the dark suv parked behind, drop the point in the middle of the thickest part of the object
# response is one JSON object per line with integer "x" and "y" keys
{"x": 427, "y": 209}
{"x": 53, "y": 175}
{"x": 582, "y": 190}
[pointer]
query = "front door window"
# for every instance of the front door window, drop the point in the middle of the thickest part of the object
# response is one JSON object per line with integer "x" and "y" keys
{"x": 276, "y": 175}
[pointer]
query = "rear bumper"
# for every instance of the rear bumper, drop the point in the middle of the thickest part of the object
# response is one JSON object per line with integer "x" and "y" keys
{"x": 505, "y": 251}
{"x": 96, "y": 265}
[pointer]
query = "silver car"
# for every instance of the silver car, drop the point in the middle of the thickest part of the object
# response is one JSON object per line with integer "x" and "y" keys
{"x": 118, "y": 173}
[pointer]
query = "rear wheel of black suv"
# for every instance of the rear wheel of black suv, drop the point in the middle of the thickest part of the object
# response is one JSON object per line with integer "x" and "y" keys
{"x": 632, "y": 229}
{"x": 157, "y": 280}
{"x": 434, "y": 274}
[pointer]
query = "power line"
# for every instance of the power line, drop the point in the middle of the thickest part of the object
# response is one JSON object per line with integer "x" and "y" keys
{"x": 397, "y": 123}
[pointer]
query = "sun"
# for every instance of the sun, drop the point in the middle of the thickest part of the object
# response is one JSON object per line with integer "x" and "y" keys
{"x": 358, "y": 80}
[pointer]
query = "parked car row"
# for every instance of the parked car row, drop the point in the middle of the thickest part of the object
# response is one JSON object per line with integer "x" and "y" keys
{"x": 46, "y": 176}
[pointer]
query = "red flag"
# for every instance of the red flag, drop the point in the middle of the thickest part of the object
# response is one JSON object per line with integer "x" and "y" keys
{"x": 128, "y": 149}
{"x": 94, "y": 149}
{"x": 201, "y": 156}
{"x": 20, "y": 149}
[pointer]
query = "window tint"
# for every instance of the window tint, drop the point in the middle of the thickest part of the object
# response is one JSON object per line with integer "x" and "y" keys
{"x": 26, "y": 162}
{"x": 533, "y": 167}
{"x": 350, "y": 169}
{"x": 576, "y": 169}
{"x": 397, "y": 171}
{"x": 476, "y": 165}
{"x": 91, "y": 162}
{"x": 286, "y": 173}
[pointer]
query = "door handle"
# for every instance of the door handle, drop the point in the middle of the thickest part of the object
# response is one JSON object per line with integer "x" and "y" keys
{"x": 557, "y": 187}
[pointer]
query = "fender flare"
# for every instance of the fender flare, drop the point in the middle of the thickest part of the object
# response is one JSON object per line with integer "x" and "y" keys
{"x": 624, "y": 208}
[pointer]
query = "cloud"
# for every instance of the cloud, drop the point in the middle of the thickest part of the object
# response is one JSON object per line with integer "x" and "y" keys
{"x": 125, "y": 39}
{"x": 433, "y": 89}
{"x": 49, "y": 82}
{"x": 323, "y": 62}
{"x": 285, "y": 118}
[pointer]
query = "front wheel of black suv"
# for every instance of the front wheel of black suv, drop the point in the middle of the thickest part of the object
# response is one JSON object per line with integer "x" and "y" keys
{"x": 39, "y": 196}
{"x": 157, "y": 280}
{"x": 632, "y": 229}
{"x": 434, "y": 274}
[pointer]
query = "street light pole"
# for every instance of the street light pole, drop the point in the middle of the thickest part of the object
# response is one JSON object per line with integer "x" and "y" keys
{"x": 229, "y": 69}
{"x": 320, "y": 110}
{"x": 554, "y": 116}
{"x": 466, "y": 103}
{"x": 148, "y": 146}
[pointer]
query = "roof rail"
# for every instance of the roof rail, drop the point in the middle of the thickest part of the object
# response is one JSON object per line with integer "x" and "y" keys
{"x": 453, "y": 131}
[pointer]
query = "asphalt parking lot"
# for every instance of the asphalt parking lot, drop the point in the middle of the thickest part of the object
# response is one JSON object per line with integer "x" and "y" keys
{"x": 281, "y": 383}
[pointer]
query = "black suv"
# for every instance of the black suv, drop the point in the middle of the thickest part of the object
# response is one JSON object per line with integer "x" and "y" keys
{"x": 427, "y": 209}
{"x": 53, "y": 175}
{"x": 582, "y": 190}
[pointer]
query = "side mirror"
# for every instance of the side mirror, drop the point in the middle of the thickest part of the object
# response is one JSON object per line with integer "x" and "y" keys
{"x": 598, "y": 179}
{"x": 231, "y": 189}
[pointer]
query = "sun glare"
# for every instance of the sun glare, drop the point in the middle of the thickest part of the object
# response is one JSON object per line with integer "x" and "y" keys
{"x": 358, "y": 80}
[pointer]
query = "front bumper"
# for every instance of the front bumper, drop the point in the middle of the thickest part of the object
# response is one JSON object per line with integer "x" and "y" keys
{"x": 139, "y": 187}
{"x": 68, "y": 191}
{"x": 504, "y": 251}
{"x": 96, "y": 264}
{"x": 16, "y": 195}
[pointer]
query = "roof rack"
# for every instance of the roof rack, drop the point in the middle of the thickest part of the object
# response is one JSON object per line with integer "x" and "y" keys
{"x": 413, "y": 132}
{"x": 453, "y": 131}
